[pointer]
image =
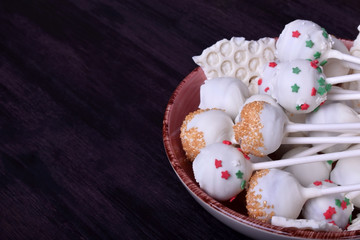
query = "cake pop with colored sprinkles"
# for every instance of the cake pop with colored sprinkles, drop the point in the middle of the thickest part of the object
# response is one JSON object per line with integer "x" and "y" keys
{"x": 223, "y": 170}
{"x": 334, "y": 208}
{"x": 273, "y": 192}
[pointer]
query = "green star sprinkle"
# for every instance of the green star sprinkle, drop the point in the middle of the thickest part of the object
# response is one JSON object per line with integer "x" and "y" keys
{"x": 325, "y": 34}
{"x": 317, "y": 55}
{"x": 347, "y": 201}
{"x": 239, "y": 174}
{"x": 321, "y": 91}
{"x": 309, "y": 44}
{"x": 338, "y": 202}
{"x": 243, "y": 183}
{"x": 319, "y": 70}
{"x": 295, "y": 88}
{"x": 350, "y": 219}
{"x": 298, "y": 107}
{"x": 296, "y": 70}
{"x": 328, "y": 87}
{"x": 316, "y": 109}
{"x": 330, "y": 162}
{"x": 321, "y": 81}
{"x": 323, "y": 63}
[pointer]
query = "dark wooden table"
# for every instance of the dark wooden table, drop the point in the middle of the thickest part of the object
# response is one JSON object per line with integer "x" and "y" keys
{"x": 83, "y": 90}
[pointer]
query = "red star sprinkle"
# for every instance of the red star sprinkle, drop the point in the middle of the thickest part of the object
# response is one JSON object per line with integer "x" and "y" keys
{"x": 218, "y": 163}
{"x": 328, "y": 180}
{"x": 322, "y": 103}
{"x": 328, "y": 214}
{"x": 272, "y": 64}
{"x": 245, "y": 156}
{"x": 314, "y": 64}
{"x": 232, "y": 199}
{"x": 317, "y": 183}
{"x": 343, "y": 205}
{"x": 333, "y": 222}
{"x": 259, "y": 81}
{"x": 313, "y": 91}
{"x": 225, "y": 175}
{"x": 266, "y": 89}
{"x": 304, "y": 106}
{"x": 295, "y": 34}
{"x": 226, "y": 142}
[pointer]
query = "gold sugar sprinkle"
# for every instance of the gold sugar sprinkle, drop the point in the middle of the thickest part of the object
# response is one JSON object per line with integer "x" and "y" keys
{"x": 192, "y": 140}
{"x": 248, "y": 129}
{"x": 255, "y": 208}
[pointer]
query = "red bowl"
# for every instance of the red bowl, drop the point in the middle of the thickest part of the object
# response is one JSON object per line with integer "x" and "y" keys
{"x": 186, "y": 99}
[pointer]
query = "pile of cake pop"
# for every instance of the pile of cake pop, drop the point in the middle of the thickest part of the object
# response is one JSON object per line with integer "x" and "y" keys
{"x": 295, "y": 97}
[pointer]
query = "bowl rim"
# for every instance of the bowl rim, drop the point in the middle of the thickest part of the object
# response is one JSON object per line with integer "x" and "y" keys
{"x": 221, "y": 208}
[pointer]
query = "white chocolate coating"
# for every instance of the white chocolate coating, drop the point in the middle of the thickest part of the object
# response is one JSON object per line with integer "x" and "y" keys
{"x": 224, "y": 180}
{"x": 304, "y": 224}
{"x": 298, "y": 85}
{"x": 261, "y": 129}
{"x": 273, "y": 192}
{"x": 332, "y": 113}
{"x": 203, "y": 127}
{"x": 302, "y": 39}
{"x": 334, "y": 208}
{"x": 309, "y": 172}
{"x": 267, "y": 78}
{"x": 224, "y": 93}
{"x": 347, "y": 171}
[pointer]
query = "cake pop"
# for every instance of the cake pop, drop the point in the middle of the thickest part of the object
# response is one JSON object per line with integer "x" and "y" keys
{"x": 346, "y": 172}
{"x": 223, "y": 93}
{"x": 307, "y": 40}
{"x": 263, "y": 126}
{"x": 273, "y": 192}
{"x": 307, "y": 173}
{"x": 334, "y": 208}
{"x": 252, "y": 132}
{"x": 299, "y": 86}
{"x": 332, "y": 113}
{"x": 203, "y": 127}
{"x": 223, "y": 171}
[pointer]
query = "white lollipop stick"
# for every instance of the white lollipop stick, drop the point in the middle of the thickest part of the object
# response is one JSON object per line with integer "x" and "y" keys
{"x": 343, "y": 96}
{"x": 343, "y": 79}
{"x": 320, "y": 140}
{"x": 336, "y": 90}
{"x": 318, "y": 192}
{"x": 308, "y": 159}
{"x": 329, "y": 127}
{"x": 332, "y": 53}
{"x": 318, "y": 148}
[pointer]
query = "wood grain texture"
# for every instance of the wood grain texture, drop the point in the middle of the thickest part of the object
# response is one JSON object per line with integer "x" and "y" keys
{"x": 83, "y": 89}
